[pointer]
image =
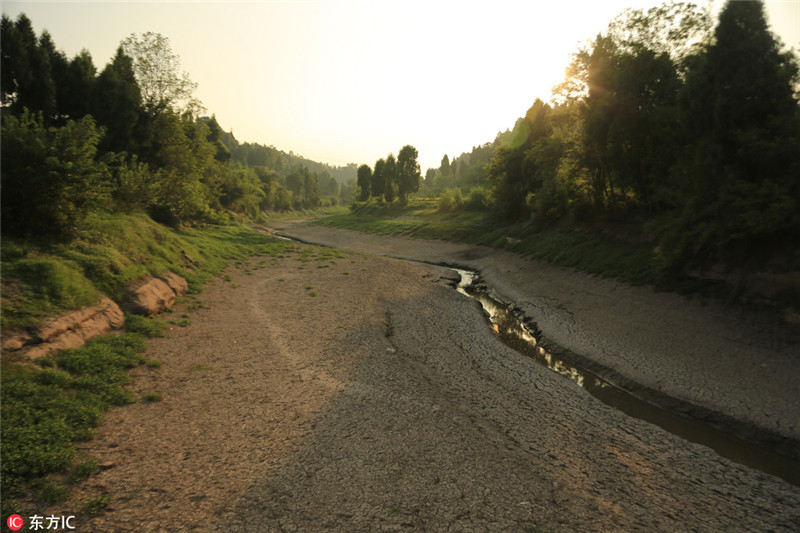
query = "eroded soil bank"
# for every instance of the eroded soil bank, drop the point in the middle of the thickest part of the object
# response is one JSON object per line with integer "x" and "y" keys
{"x": 366, "y": 395}
{"x": 732, "y": 367}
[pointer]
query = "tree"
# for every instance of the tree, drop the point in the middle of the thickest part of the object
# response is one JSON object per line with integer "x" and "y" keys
{"x": 27, "y": 81}
{"x": 511, "y": 171}
{"x": 163, "y": 86}
{"x": 378, "y": 183}
{"x": 78, "y": 81}
{"x": 444, "y": 169}
{"x": 430, "y": 175}
{"x": 117, "y": 103}
{"x": 312, "y": 198}
{"x": 390, "y": 178}
{"x": 736, "y": 189}
{"x": 50, "y": 179}
{"x": 364, "y": 181}
{"x": 408, "y": 172}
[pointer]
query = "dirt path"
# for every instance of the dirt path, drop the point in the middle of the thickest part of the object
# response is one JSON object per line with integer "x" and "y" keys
{"x": 731, "y": 367}
{"x": 384, "y": 403}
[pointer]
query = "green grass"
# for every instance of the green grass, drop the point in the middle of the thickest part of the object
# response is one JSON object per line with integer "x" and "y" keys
{"x": 593, "y": 250}
{"x": 49, "y": 406}
{"x": 151, "y": 397}
{"x": 46, "y": 411}
{"x": 113, "y": 250}
{"x": 595, "y": 254}
{"x": 149, "y": 327}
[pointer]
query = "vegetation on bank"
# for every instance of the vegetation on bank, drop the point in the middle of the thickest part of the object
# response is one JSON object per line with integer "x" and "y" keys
{"x": 130, "y": 137}
{"x": 662, "y": 156}
{"x": 49, "y": 405}
{"x": 670, "y": 147}
{"x": 669, "y": 123}
{"x": 614, "y": 250}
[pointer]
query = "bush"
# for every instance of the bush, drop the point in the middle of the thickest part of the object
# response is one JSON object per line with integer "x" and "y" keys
{"x": 450, "y": 200}
{"x": 477, "y": 199}
{"x": 50, "y": 179}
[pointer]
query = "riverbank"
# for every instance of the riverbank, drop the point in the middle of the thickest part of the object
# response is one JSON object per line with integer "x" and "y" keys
{"x": 731, "y": 367}
{"x": 359, "y": 393}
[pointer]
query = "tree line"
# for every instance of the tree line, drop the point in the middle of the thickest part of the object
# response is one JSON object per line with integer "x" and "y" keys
{"x": 129, "y": 137}
{"x": 391, "y": 178}
{"x": 684, "y": 128}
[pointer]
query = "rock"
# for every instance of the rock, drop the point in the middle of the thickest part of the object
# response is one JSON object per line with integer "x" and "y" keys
{"x": 74, "y": 329}
{"x": 152, "y": 296}
{"x": 16, "y": 341}
{"x": 175, "y": 282}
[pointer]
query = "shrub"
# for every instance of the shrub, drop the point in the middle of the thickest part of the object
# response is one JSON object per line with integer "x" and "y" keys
{"x": 477, "y": 199}
{"x": 450, "y": 200}
{"x": 59, "y": 165}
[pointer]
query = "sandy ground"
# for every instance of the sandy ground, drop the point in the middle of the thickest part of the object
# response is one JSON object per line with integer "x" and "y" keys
{"x": 385, "y": 403}
{"x": 732, "y": 367}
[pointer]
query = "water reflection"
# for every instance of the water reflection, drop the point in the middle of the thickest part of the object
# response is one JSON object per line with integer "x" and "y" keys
{"x": 516, "y": 335}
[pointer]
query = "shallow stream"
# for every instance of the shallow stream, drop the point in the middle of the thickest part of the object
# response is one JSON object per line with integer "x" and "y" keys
{"x": 516, "y": 335}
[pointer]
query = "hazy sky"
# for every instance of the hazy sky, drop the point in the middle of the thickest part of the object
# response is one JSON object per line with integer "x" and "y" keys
{"x": 348, "y": 81}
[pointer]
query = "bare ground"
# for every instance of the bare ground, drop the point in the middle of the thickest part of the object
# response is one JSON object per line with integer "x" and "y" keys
{"x": 736, "y": 368}
{"x": 385, "y": 403}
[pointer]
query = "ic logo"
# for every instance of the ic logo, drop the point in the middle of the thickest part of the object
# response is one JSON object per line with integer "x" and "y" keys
{"x": 15, "y": 522}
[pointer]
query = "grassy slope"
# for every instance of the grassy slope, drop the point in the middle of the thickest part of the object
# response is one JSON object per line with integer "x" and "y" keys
{"x": 595, "y": 254}
{"x": 49, "y": 406}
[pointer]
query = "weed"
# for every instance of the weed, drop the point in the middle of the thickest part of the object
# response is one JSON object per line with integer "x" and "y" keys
{"x": 202, "y": 367}
{"x": 312, "y": 293}
{"x": 149, "y": 327}
{"x": 94, "y": 506}
{"x": 151, "y": 397}
{"x": 83, "y": 470}
{"x": 49, "y": 491}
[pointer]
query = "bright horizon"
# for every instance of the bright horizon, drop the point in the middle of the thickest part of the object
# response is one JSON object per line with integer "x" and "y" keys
{"x": 349, "y": 82}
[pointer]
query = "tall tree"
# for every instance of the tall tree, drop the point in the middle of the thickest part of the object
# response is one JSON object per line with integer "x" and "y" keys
{"x": 390, "y": 178}
{"x": 364, "y": 180}
{"x": 118, "y": 104}
{"x": 444, "y": 169}
{"x": 378, "y": 183}
{"x": 408, "y": 172}
{"x": 78, "y": 82}
{"x": 27, "y": 81}
{"x": 157, "y": 69}
{"x": 738, "y": 192}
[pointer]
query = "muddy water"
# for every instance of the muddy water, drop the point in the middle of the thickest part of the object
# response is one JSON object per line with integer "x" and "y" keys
{"x": 516, "y": 335}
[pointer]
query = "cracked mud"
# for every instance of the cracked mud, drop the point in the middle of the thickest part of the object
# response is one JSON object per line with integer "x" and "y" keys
{"x": 384, "y": 403}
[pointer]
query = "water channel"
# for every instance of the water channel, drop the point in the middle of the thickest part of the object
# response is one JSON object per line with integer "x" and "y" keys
{"x": 516, "y": 335}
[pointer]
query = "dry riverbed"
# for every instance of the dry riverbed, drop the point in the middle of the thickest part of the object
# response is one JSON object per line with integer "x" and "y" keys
{"x": 362, "y": 393}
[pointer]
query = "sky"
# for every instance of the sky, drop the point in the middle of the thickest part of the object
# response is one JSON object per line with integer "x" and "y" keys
{"x": 349, "y": 81}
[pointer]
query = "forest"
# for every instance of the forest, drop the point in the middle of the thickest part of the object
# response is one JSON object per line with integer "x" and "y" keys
{"x": 131, "y": 137}
{"x": 678, "y": 127}
{"x": 681, "y": 129}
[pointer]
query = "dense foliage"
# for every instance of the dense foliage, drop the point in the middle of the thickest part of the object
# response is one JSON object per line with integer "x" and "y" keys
{"x": 128, "y": 138}
{"x": 687, "y": 132}
{"x": 392, "y": 178}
